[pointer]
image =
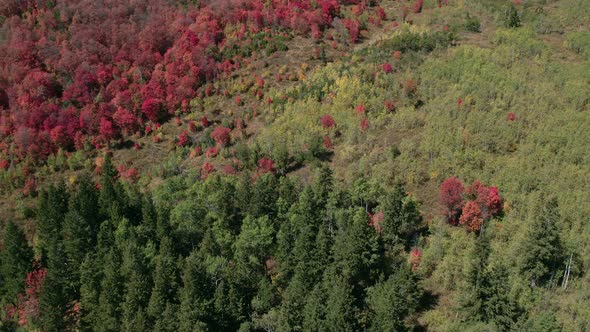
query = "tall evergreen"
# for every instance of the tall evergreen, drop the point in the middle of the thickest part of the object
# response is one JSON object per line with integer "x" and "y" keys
{"x": 16, "y": 258}
{"x": 540, "y": 252}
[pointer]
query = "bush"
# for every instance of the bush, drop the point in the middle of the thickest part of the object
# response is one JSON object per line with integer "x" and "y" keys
{"x": 472, "y": 24}
{"x": 510, "y": 17}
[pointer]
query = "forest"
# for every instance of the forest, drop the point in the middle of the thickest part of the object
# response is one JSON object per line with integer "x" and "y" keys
{"x": 301, "y": 165}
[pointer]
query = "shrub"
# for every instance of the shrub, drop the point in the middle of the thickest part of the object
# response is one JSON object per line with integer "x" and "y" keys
{"x": 221, "y": 135}
{"x": 418, "y": 6}
{"x": 472, "y": 24}
{"x": 387, "y": 68}
{"x": 183, "y": 139}
{"x": 327, "y": 121}
{"x": 510, "y": 17}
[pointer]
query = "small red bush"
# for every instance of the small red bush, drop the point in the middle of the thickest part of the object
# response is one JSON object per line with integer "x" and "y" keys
{"x": 387, "y": 68}
{"x": 266, "y": 165}
{"x": 183, "y": 139}
{"x": 206, "y": 170}
{"x": 418, "y": 6}
{"x": 221, "y": 135}
{"x": 328, "y": 121}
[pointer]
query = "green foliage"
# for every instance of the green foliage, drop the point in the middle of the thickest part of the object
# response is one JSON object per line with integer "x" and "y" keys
{"x": 510, "y": 16}
{"x": 16, "y": 260}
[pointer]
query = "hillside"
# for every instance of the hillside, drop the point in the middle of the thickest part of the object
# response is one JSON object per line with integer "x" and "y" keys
{"x": 295, "y": 165}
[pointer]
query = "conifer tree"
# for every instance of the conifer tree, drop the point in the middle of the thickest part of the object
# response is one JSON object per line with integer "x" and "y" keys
{"x": 16, "y": 260}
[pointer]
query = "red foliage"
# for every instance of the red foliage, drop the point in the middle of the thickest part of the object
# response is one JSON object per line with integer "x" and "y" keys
{"x": 364, "y": 124}
{"x": 360, "y": 109}
{"x": 28, "y": 306}
{"x": 192, "y": 126}
{"x": 459, "y": 102}
{"x": 211, "y": 152}
{"x": 375, "y": 221}
{"x": 151, "y": 108}
{"x": 397, "y": 54}
{"x": 265, "y": 165}
{"x": 125, "y": 63}
{"x": 328, "y": 121}
{"x": 4, "y": 164}
{"x": 328, "y": 142}
{"x": 511, "y": 117}
{"x": 487, "y": 198}
{"x": 389, "y": 105}
{"x": 229, "y": 170}
{"x": 494, "y": 201}
{"x": 471, "y": 216}
{"x": 387, "y": 68}
{"x": 183, "y": 139}
{"x": 125, "y": 120}
{"x": 107, "y": 129}
{"x": 353, "y": 27}
{"x": 204, "y": 122}
{"x": 418, "y": 6}
{"x": 206, "y": 170}
{"x": 221, "y": 135}
{"x": 380, "y": 12}
{"x": 451, "y": 197}
{"x": 415, "y": 258}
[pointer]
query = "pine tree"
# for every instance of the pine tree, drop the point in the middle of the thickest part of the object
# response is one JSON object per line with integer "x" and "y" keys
{"x": 314, "y": 312}
{"x": 540, "y": 252}
{"x": 56, "y": 291}
{"x": 391, "y": 301}
{"x": 357, "y": 250}
{"x": 340, "y": 310}
{"x": 112, "y": 200}
{"x": 166, "y": 282}
{"x": 16, "y": 260}
{"x": 52, "y": 208}
{"x": 400, "y": 218}
{"x": 112, "y": 288}
{"x": 196, "y": 295}
{"x": 138, "y": 276}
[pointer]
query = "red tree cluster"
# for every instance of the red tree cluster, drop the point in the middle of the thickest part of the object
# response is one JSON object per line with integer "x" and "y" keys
{"x": 77, "y": 71}
{"x": 469, "y": 206}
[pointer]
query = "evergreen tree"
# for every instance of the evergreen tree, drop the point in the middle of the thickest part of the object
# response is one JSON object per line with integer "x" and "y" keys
{"x": 166, "y": 282}
{"x": 391, "y": 301}
{"x": 540, "y": 252}
{"x": 51, "y": 211}
{"x": 138, "y": 276}
{"x": 112, "y": 288}
{"x": 314, "y": 312}
{"x": 112, "y": 199}
{"x": 196, "y": 295}
{"x": 16, "y": 260}
{"x": 56, "y": 296}
{"x": 340, "y": 310}
{"x": 357, "y": 250}
{"x": 497, "y": 305}
{"x": 400, "y": 218}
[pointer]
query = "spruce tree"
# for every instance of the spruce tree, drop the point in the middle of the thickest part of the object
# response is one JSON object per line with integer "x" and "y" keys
{"x": 16, "y": 258}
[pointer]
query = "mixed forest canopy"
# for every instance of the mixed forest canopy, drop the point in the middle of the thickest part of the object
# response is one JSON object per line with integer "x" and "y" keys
{"x": 325, "y": 165}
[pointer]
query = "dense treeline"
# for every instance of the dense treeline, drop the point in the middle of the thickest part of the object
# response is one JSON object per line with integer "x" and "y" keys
{"x": 226, "y": 253}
